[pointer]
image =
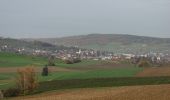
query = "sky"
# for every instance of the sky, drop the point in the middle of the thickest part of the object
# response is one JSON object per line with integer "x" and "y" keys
{"x": 58, "y": 18}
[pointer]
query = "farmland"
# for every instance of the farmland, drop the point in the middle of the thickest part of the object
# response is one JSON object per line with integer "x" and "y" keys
{"x": 84, "y": 50}
{"x": 64, "y": 74}
{"x": 158, "y": 71}
{"x": 101, "y": 82}
{"x": 118, "y": 72}
{"x": 85, "y": 74}
{"x": 146, "y": 92}
{"x": 14, "y": 60}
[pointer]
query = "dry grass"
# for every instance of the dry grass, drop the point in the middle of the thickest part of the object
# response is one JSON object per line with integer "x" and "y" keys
{"x": 152, "y": 92}
{"x": 155, "y": 71}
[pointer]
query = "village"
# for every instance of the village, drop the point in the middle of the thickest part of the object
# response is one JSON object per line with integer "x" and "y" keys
{"x": 79, "y": 53}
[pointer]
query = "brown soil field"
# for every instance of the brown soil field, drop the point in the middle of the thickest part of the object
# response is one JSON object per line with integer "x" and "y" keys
{"x": 148, "y": 92}
{"x": 155, "y": 71}
{"x": 37, "y": 69}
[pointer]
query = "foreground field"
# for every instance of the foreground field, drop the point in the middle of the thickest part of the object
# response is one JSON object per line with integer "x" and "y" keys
{"x": 149, "y": 92}
{"x": 58, "y": 73}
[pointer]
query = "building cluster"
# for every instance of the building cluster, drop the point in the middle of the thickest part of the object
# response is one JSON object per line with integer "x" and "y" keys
{"x": 23, "y": 50}
{"x": 74, "y": 53}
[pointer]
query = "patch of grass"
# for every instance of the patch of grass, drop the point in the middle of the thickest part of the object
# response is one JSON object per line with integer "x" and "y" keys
{"x": 117, "y": 72}
{"x": 6, "y": 85}
{"x": 100, "y": 82}
{"x": 6, "y": 80}
{"x": 17, "y": 60}
{"x": 6, "y": 76}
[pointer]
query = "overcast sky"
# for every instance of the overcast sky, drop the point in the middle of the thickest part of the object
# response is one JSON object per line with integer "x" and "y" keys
{"x": 56, "y": 18}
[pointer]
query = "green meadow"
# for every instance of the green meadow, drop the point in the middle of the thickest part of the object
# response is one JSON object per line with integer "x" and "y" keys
{"x": 117, "y": 72}
{"x": 18, "y": 60}
{"x": 101, "y": 82}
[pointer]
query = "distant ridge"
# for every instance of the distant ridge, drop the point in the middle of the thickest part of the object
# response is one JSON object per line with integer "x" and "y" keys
{"x": 114, "y": 42}
{"x": 30, "y": 45}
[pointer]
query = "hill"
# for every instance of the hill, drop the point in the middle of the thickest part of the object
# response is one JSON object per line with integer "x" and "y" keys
{"x": 15, "y": 44}
{"x": 113, "y": 42}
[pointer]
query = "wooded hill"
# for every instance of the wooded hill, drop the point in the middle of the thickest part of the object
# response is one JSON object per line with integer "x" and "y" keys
{"x": 16, "y": 43}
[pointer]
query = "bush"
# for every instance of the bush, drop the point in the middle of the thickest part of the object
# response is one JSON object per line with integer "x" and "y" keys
{"x": 45, "y": 71}
{"x": 144, "y": 63}
{"x": 68, "y": 61}
{"x": 11, "y": 92}
{"x": 76, "y": 60}
{"x": 51, "y": 61}
{"x": 72, "y": 61}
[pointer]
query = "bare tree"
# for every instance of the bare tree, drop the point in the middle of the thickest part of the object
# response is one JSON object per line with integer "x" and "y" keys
{"x": 26, "y": 80}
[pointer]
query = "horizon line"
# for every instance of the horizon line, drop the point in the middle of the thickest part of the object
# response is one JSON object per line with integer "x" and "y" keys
{"x": 150, "y": 36}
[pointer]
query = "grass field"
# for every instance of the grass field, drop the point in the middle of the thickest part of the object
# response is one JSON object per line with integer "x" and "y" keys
{"x": 101, "y": 82}
{"x": 116, "y": 72}
{"x": 9, "y": 63}
{"x": 7, "y": 80}
{"x": 16, "y": 60}
{"x": 86, "y": 74}
{"x": 6, "y": 76}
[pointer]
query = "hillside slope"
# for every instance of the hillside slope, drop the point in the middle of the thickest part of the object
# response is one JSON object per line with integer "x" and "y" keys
{"x": 113, "y": 42}
{"x": 29, "y": 45}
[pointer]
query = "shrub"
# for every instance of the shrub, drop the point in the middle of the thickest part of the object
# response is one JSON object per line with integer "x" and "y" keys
{"x": 51, "y": 61}
{"x": 45, "y": 71}
{"x": 144, "y": 63}
{"x": 72, "y": 61}
{"x": 68, "y": 61}
{"x": 76, "y": 60}
{"x": 11, "y": 92}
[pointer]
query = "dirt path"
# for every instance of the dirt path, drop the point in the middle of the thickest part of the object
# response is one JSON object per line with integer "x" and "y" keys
{"x": 155, "y": 71}
{"x": 152, "y": 92}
